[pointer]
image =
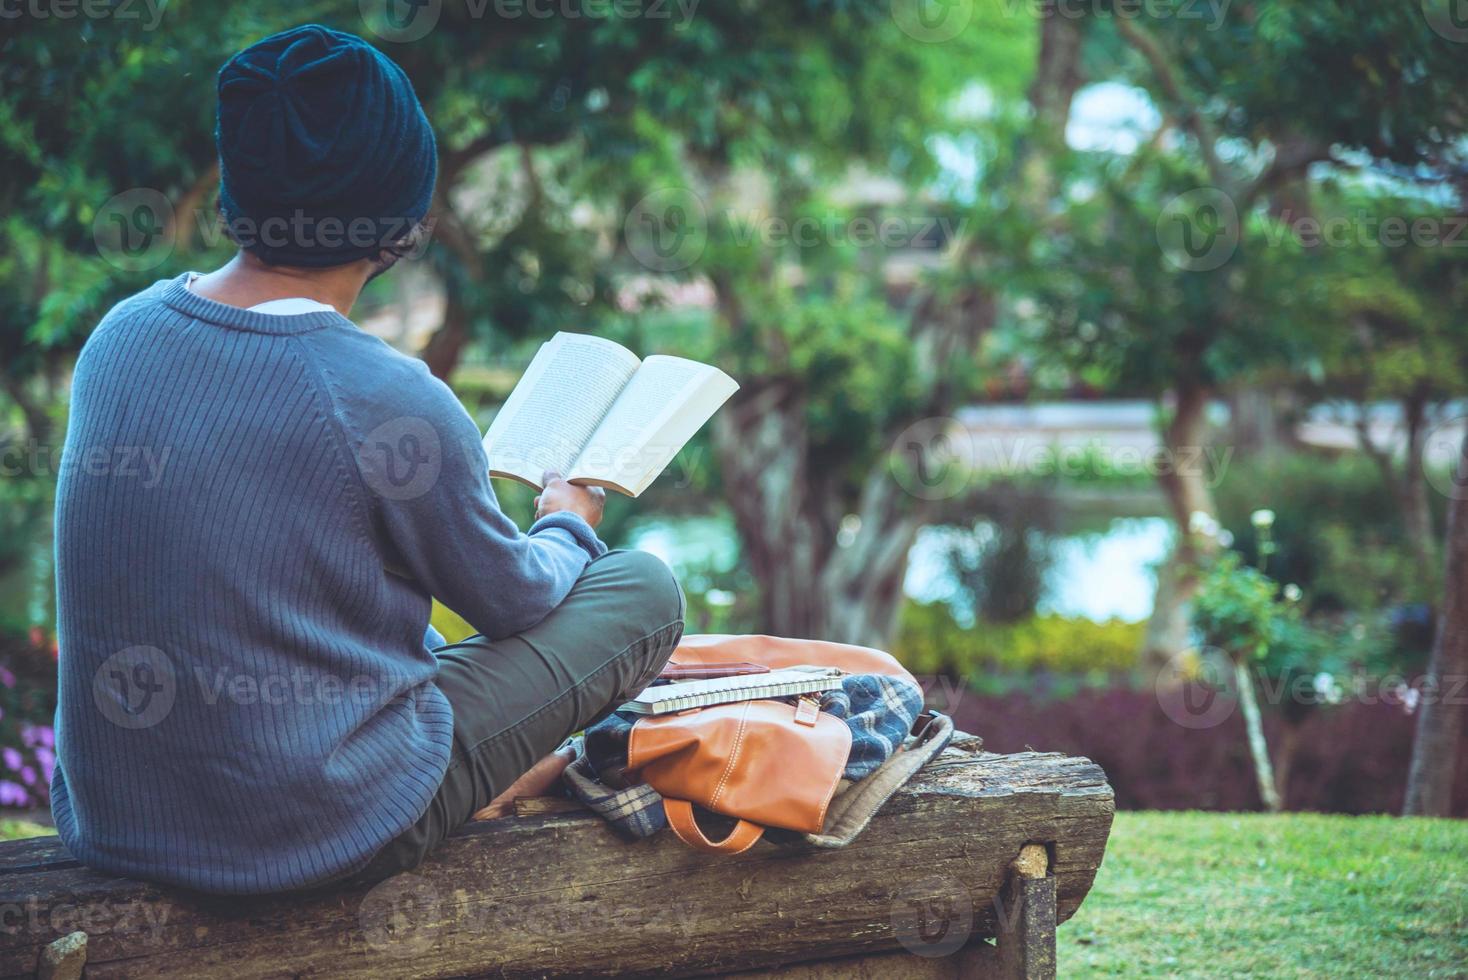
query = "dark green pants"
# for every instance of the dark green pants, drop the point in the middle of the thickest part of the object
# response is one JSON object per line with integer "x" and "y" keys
{"x": 518, "y": 698}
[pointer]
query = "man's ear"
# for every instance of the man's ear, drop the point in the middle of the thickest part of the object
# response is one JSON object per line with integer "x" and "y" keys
{"x": 374, "y": 267}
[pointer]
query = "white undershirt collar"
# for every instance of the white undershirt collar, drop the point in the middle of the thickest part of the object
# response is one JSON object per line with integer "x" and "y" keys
{"x": 292, "y": 306}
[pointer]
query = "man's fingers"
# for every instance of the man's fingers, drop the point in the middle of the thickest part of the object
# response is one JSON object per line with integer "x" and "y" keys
{"x": 549, "y": 477}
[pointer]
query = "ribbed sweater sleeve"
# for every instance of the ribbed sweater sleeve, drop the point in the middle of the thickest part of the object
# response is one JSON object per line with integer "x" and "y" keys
{"x": 424, "y": 478}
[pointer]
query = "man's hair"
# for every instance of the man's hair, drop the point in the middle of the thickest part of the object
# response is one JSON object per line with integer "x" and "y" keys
{"x": 388, "y": 255}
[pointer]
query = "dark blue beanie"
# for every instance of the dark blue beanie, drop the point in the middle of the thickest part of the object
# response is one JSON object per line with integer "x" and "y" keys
{"x": 325, "y": 155}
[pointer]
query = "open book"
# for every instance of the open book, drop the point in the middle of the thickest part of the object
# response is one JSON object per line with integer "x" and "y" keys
{"x": 593, "y": 412}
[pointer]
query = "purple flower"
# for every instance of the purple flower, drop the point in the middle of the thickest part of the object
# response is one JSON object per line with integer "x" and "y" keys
{"x": 28, "y": 776}
{"x": 6, "y": 677}
{"x": 33, "y": 735}
{"x": 13, "y": 761}
{"x": 47, "y": 759}
{"x": 12, "y": 794}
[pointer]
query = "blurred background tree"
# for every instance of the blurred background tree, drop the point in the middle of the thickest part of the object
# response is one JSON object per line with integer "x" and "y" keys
{"x": 884, "y": 217}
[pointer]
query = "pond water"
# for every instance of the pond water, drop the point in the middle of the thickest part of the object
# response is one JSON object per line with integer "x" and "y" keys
{"x": 1102, "y": 574}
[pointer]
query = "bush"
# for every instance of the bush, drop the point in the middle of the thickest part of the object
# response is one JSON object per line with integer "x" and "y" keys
{"x": 1336, "y": 533}
{"x": 931, "y": 641}
{"x": 1350, "y": 760}
{"x": 27, "y": 707}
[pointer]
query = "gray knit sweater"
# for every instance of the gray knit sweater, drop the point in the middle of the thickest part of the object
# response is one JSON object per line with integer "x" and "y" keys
{"x": 252, "y": 514}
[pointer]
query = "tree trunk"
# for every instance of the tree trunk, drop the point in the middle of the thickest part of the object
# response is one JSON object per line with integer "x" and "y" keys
{"x": 862, "y": 586}
{"x": 446, "y": 347}
{"x": 1412, "y": 490}
{"x": 813, "y": 581}
{"x": 1440, "y": 719}
{"x": 1166, "y": 632}
{"x": 1254, "y": 420}
{"x": 1185, "y": 485}
{"x": 1057, "y": 77}
{"x": 37, "y": 420}
{"x": 759, "y": 438}
{"x": 1409, "y": 487}
{"x": 1254, "y": 731}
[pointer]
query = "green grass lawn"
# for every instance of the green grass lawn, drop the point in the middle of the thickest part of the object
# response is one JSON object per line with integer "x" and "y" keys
{"x": 16, "y": 829}
{"x": 1296, "y": 895}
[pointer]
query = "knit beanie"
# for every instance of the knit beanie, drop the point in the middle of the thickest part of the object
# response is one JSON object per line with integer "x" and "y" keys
{"x": 325, "y": 155}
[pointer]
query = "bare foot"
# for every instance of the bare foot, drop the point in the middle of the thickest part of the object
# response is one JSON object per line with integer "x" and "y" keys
{"x": 539, "y": 781}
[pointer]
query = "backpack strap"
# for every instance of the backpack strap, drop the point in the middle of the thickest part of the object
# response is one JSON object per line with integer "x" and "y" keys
{"x": 681, "y": 819}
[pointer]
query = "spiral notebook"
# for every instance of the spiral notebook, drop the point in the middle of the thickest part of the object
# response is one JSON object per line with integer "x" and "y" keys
{"x": 785, "y": 682}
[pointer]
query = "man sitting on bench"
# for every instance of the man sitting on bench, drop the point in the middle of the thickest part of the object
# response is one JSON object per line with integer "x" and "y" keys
{"x": 251, "y": 697}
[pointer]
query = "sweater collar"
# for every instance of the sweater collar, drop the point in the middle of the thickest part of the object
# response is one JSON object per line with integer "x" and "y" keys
{"x": 178, "y": 296}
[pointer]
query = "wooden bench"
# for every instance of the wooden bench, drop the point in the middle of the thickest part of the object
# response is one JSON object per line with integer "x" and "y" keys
{"x": 978, "y": 847}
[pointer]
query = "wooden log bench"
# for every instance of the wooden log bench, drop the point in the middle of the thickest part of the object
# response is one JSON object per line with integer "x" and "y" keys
{"x": 978, "y": 847}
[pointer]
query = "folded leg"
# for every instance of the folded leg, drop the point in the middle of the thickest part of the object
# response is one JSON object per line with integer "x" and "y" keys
{"x": 516, "y": 699}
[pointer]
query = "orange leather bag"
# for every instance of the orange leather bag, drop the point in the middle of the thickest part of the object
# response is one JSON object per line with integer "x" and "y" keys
{"x": 766, "y": 763}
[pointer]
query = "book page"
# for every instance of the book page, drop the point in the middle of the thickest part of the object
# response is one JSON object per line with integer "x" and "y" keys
{"x": 559, "y": 402}
{"x": 786, "y": 682}
{"x": 662, "y": 406}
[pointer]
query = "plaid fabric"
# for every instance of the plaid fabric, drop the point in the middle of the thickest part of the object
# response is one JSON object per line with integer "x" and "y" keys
{"x": 634, "y": 812}
{"x": 879, "y": 710}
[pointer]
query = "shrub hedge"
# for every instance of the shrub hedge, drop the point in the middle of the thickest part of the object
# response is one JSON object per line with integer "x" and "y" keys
{"x": 931, "y": 641}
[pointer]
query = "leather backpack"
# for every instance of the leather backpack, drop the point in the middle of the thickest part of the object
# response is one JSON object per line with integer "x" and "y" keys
{"x": 766, "y": 763}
